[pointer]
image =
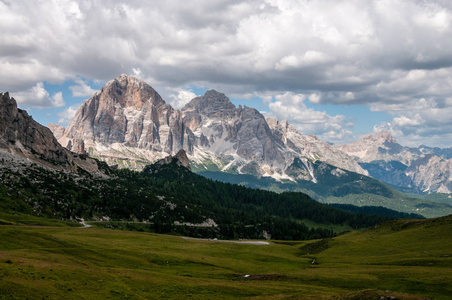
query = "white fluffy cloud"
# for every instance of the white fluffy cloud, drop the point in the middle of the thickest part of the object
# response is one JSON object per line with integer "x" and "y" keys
{"x": 292, "y": 107}
{"x": 180, "y": 98}
{"x": 66, "y": 115}
{"x": 38, "y": 97}
{"x": 423, "y": 121}
{"x": 82, "y": 89}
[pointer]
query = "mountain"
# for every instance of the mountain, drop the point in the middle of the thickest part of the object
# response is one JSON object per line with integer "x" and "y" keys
{"x": 445, "y": 153}
{"x": 41, "y": 178}
{"x": 24, "y": 141}
{"x": 379, "y": 146}
{"x": 409, "y": 169}
{"x": 311, "y": 147}
{"x": 241, "y": 141}
{"x": 127, "y": 123}
{"x": 234, "y": 139}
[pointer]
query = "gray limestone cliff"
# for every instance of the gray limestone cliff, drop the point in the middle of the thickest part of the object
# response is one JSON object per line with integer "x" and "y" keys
{"x": 21, "y": 135}
{"x": 127, "y": 114}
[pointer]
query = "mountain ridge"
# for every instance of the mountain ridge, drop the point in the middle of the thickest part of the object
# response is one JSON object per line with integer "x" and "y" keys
{"x": 129, "y": 124}
{"x": 417, "y": 170}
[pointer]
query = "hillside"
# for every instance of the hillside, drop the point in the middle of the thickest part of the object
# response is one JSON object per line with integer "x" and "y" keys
{"x": 41, "y": 178}
{"x": 349, "y": 188}
{"x": 168, "y": 197}
{"x": 403, "y": 259}
{"x": 128, "y": 124}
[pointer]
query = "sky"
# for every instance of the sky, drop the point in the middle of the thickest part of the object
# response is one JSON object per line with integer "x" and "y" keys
{"x": 336, "y": 69}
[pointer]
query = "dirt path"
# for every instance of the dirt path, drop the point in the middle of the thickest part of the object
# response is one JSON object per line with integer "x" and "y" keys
{"x": 257, "y": 243}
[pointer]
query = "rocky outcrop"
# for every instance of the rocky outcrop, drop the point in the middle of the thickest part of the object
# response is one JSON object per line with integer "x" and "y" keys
{"x": 21, "y": 135}
{"x": 248, "y": 143}
{"x": 230, "y": 130}
{"x": 180, "y": 159}
{"x": 57, "y": 130}
{"x": 431, "y": 173}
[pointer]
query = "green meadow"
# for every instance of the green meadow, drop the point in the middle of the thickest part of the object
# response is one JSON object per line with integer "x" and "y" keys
{"x": 405, "y": 259}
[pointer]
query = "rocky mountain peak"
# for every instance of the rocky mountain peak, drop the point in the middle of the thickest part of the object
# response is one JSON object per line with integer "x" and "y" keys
{"x": 210, "y": 128}
{"x": 212, "y": 102}
{"x": 127, "y": 114}
{"x": 274, "y": 123}
{"x": 130, "y": 91}
{"x": 379, "y": 138}
{"x": 379, "y": 146}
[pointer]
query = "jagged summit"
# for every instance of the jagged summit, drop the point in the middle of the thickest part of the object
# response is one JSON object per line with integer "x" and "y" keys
{"x": 378, "y": 146}
{"x": 377, "y": 137}
{"x": 127, "y": 113}
{"x": 130, "y": 91}
{"x": 310, "y": 147}
{"x": 212, "y": 102}
{"x": 412, "y": 169}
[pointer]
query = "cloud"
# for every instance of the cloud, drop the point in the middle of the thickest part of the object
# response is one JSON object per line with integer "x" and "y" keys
{"x": 300, "y": 45}
{"x": 383, "y": 54}
{"x": 38, "y": 97}
{"x": 68, "y": 114}
{"x": 422, "y": 121}
{"x": 82, "y": 89}
{"x": 292, "y": 107}
{"x": 181, "y": 98}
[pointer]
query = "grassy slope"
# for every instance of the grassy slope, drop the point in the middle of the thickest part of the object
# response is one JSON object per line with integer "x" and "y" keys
{"x": 411, "y": 257}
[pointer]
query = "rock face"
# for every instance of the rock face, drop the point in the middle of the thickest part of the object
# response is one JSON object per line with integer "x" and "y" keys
{"x": 311, "y": 147}
{"x": 125, "y": 116}
{"x": 129, "y": 124}
{"x": 240, "y": 137}
{"x": 407, "y": 168}
{"x": 21, "y": 135}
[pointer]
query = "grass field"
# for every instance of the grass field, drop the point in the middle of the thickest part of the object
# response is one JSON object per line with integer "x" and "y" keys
{"x": 403, "y": 259}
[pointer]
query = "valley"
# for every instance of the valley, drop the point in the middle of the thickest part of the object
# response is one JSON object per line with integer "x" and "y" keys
{"x": 79, "y": 263}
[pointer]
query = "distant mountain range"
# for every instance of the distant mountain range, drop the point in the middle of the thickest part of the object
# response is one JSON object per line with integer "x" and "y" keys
{"x": 128, "y": 123}
{"x": 417, "y": 170}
